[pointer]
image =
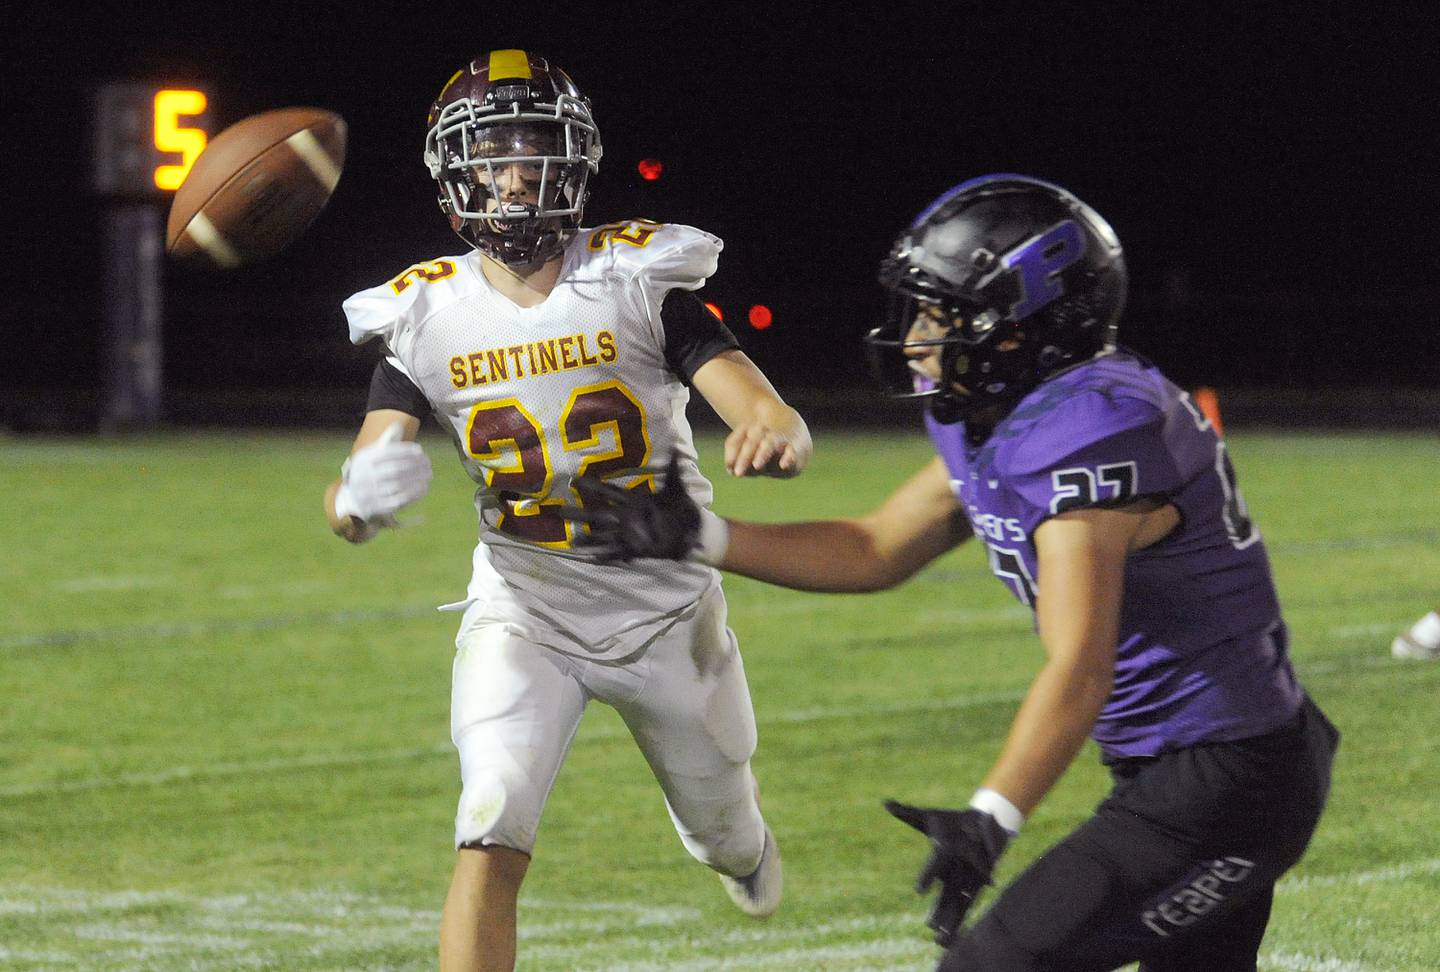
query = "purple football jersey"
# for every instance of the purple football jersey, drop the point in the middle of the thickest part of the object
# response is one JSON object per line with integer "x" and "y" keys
{"x": 1203, "y": 649}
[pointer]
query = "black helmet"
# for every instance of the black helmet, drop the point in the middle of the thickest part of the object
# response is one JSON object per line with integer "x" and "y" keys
{"x": 1023, "y": 279}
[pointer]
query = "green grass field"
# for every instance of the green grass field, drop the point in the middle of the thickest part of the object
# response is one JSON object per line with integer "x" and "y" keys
{"x": 223, "y": 737}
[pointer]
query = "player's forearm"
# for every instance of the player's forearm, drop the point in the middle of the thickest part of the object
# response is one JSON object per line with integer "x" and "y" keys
{"x": 837, "y": 556}
{"x": 741, "y": 394}
{"x": 1081, "y": 557}
{"x": 1053, "y": 723}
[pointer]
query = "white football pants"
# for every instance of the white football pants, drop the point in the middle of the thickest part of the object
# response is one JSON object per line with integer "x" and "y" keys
{"x": 516, "y": 705}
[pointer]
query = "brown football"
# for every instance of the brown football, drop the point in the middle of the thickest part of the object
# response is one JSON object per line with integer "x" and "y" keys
{"x": 257, "y": 186}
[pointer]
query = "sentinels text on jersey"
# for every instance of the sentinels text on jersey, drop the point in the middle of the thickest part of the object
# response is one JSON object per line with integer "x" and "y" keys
{"x": 535, "y": 397}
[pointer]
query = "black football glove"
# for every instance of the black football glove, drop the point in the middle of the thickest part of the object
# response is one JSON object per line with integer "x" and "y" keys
{"x": 964, "y": 846}
{"x": 630, "y": 523}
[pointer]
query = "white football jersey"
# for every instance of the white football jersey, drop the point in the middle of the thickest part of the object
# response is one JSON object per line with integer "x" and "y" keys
{"x": 538, "y": 396}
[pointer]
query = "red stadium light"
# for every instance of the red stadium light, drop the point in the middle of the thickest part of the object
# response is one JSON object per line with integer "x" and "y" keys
{"x": 650, "y": 169}
{"x": 760, "y": 317}
{"x": 714, "y": 309}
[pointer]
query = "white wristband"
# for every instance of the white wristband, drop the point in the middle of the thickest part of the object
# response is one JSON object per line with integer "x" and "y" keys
{"x": 713, "y": 541}
{"x": 1006, "y": 814}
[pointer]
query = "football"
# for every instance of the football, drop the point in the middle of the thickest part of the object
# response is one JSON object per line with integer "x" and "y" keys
{"x": 257, "y": 186}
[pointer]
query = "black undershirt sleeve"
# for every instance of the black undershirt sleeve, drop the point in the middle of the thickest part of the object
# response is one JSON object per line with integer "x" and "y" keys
{"x": 693, "y": 335}
{"x": 389, "y": 388}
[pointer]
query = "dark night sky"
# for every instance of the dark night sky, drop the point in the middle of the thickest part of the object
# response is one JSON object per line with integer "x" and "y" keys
{"x": 1270, "y": 167}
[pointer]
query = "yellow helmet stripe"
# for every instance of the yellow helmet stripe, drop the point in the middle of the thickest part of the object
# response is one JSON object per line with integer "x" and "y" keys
{"x": 509, "y": 64}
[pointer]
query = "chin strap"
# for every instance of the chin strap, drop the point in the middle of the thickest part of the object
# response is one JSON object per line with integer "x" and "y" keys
{"x": 540, "y": 247}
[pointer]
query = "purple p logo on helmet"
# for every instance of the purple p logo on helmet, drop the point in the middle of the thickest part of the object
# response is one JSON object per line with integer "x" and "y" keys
{"x": 1040, "y": 260}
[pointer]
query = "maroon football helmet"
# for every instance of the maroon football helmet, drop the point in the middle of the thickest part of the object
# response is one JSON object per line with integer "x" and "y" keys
{"x": 512, "y": 146}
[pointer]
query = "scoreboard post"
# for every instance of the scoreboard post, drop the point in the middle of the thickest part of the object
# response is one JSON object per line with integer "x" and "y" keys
{"x": 146, "y": 137}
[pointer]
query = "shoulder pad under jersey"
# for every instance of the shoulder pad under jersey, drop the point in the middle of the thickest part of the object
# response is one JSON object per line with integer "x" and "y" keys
{"x": 1099, "y": 445}
{"x": 666, "y": 256}
{"x": 411, "y": 295}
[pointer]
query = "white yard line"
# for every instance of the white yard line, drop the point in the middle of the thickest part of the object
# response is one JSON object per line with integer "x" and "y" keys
{"x": 750, "y": 935}
{"x": 200, "y": 774}
{"x": 815, "y": 957}
{"x": 1376, "y": 630}
{"x": 241, "y": 768}
{"x": 239, "y": 930}
{"x": 1300, "y": 962}
{"x": 26, "y": 955}
{"x": 192, "y": 629}
{"x": 111, "y": 932}
{"x": 1337, "y": 666}
{"x": 1398, "y": 872}
{"x": 201, "y": 629}
{"x": 96, "y": 583}
{"x": 590, "y": 928}
{"x": 954, "y": 703}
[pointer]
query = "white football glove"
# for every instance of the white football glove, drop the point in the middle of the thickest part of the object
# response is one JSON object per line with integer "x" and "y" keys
{"x": 381, "y": 478}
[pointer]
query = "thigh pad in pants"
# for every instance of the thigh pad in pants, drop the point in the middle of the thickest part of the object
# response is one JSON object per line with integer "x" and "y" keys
{"x": 514, "y": 709}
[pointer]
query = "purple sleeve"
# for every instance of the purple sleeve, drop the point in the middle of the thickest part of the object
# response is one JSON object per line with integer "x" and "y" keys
{"x": 1094, "y": 450}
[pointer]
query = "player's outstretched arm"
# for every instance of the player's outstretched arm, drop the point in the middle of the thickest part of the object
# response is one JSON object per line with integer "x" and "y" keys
{"x": 767, "y": 437}
{"x": 916, "y": 524}
{"x": 387, "y": 470}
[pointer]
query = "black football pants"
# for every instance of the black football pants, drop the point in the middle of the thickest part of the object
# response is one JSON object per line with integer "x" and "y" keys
{"x": 1176, "y": 869}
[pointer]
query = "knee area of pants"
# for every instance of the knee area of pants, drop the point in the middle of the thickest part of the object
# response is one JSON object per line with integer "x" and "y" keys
{"x": 489, "y": 812}
{"x": 732, "y": 852}
{"x": 986, "y": 947}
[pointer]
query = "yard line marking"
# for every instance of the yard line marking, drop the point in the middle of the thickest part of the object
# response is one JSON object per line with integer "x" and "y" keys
{"x": 1398, "y": 872}
{"x": 638, "y": 917}
{"x": 192, "y": 774}
{"x": 1336, "y": 666}
{"x": 349, "y": 913}
{"x": 220, "y": 923}
{"x": 199, "y": 629}
{"x": 302, "y": 909}
{"x": 805, "y": 958}
{"x": 201, "y": 774}
{"x": 800, "y": 604}
{"x": 155, "y": 958}
{"x": 110, "y": 582}
{"x": 23, "y": 955}
{"x": 196, "y": 774}
{"x": 807, "y": 603}
{"x": 101, "y": 932}
{"x": 66, "y": 900}
{"x": 1366, "y": 630}
{"x": 1330, "y": 544}
{"x": 588, "y": 734}
{"x": 746, "y": 936}
{"x": 624, "y": 907}
{"x": 1299, "y": 962}
{"x": 954, "y": 703}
